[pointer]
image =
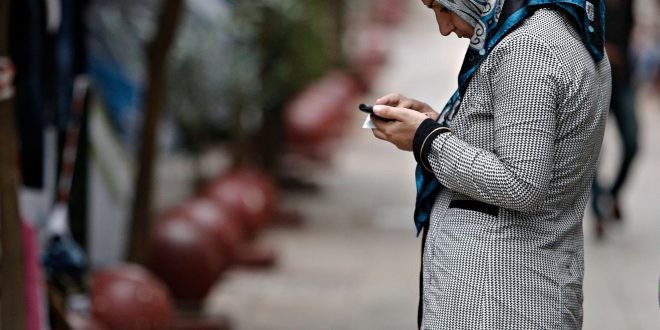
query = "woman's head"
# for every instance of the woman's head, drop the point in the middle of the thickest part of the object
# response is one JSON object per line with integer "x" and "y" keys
{"x": 453, "y": 17}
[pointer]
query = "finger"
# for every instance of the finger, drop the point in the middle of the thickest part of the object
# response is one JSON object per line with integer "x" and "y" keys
{"x": 393, "y": 113}
{"x": 378, "y": 134}
{"x": 407, "y": 103}
{"x": 391, "y": 99}
{"x": 380, "y": 123}
{"x": 400, "y": 101}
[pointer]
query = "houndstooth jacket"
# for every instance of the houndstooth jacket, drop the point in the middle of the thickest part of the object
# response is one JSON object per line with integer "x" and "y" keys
{"x": 504, "y": 249}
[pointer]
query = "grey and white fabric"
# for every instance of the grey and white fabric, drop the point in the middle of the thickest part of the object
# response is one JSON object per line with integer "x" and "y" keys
{"x": 526, "y": 139}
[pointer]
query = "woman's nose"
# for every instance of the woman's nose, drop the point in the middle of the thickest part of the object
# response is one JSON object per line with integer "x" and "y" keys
{"x": 445, "y": 30}
{"x": 444, "y": 24}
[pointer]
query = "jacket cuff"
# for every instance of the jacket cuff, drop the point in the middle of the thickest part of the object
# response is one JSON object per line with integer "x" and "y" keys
{"x": 427, "y": 131}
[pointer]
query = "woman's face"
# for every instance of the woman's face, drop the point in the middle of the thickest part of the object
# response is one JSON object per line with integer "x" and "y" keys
{"x": 449, "y": 22}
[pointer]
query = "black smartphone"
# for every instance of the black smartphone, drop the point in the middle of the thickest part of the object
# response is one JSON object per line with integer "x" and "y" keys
{"x": 367, "y": 108}
{"x": 370, "y": 110}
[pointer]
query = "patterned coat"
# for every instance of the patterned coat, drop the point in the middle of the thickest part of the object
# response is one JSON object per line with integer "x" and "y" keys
{"x": 504, "y": 248}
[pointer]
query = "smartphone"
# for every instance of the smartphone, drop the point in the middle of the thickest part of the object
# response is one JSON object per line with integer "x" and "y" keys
{"x": 367, "y": 108}
{"x": 370, "y": 110}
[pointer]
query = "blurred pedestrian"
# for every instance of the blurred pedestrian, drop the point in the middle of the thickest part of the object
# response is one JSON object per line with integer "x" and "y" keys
{"x": 505, "y": 169}
{"x": 606, "y": 201}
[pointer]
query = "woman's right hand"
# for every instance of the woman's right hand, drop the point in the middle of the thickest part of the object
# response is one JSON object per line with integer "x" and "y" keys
{"x": 400, "y": 101}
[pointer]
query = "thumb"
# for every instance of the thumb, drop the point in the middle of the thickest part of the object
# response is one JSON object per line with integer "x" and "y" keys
{"x": 388, "y": 112}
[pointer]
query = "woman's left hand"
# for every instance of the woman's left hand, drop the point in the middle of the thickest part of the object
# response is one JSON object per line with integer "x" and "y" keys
{"x": 400, "y": 129}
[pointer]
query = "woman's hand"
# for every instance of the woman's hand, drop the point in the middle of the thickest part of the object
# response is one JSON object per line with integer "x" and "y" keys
{"x": 400, "y": 101}
{"x": 400, "y": 129}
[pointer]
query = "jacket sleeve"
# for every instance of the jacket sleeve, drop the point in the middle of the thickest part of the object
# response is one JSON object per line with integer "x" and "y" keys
{"x": 526, "y": 80}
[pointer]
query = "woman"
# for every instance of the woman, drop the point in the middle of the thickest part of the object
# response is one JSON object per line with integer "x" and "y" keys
{"x": 504, "y": 170}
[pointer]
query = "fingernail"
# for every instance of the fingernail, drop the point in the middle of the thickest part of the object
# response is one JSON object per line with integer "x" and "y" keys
{"x": 378, "y": 108}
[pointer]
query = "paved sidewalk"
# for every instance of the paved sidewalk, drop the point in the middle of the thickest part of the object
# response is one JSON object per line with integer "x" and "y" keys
{"x": 355, "y": 265}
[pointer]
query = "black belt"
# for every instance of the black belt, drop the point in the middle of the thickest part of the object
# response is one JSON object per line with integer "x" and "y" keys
{"x": 475, "y": 206}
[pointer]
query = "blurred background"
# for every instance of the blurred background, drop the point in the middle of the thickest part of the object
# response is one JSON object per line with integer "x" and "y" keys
{"x": 200, "y": 164}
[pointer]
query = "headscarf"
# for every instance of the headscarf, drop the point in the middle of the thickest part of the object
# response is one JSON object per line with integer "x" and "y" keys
{"x": 492, "y": 21}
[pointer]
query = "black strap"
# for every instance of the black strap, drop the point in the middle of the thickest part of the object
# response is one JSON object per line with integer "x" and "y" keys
{"x": 420, "y": 305}
{"x": 475, "y": 206}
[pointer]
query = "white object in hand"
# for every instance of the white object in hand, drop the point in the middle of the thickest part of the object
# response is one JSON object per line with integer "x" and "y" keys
{"x": 368, "y": 123}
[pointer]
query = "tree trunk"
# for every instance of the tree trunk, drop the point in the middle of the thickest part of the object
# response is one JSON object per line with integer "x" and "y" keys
{"x": 154, "y": 102}
{"x": 12, "y": 299}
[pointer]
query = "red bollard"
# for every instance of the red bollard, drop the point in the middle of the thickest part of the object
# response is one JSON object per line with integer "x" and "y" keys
{"x": 205, "y": 213}
{"x": 186, "y": 257}
{"x": 129, "y": 297}
{"x": 247, "y": 193}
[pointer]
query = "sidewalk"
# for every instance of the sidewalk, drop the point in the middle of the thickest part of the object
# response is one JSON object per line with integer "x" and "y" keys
{"x": 356, "y": 264}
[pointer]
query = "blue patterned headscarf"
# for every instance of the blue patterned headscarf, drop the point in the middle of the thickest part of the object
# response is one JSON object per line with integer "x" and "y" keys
{"x": 492, "y": 20}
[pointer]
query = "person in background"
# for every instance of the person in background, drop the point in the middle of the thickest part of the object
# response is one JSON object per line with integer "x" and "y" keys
{"x": 606, "y": 201}
{"x": 505, "y": 169}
